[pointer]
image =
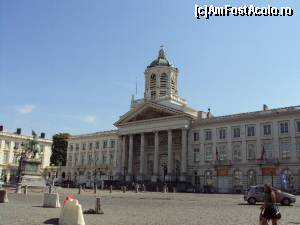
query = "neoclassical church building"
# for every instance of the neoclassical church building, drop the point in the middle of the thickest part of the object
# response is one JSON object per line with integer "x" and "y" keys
{"x": 161, "y": 139}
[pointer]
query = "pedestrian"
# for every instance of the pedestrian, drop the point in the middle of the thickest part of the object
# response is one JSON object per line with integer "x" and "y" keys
{"x": 269, "y": 210}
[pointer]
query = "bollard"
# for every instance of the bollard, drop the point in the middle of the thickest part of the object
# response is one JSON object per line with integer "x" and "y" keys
{"x": 98, "y": 209}
{"x": 25, "y": 190}
{"x": 95, "y": 189}
{"x": 165, "y": 189}
{"x": 3, "y": 196}
{"x": 110, "y": 189}
{"x": 50, "y": 189}
{"x": 174, "y": 189}
{"x": 19, "y": 188}
{"x": 124, "y": 189}
{"x": 79, "y": 190}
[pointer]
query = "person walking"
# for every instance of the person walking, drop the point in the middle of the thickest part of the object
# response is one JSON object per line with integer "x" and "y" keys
{"x": 269, "y": 209}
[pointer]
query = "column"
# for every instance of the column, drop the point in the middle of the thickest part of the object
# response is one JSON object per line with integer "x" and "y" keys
{"x": 183, "y": 154}
{"x": 142, "y": 153}
{"x": 155, "y": 160}
{"x": 123, "y": 152}
{"x": 170, "y": 154}
{"x": 119, "y": 156}
{"x": 276, "y": 154}
{"x": 130, "y": 157}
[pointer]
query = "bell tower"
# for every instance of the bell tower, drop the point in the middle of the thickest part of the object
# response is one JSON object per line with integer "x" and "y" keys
{"x": 161, "y": 80}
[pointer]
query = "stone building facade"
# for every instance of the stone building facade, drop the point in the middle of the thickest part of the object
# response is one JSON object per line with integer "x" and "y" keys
{"x": 91, "y": 158}
{"x": 10, "y": 144}
{"x": 161, "y": 139}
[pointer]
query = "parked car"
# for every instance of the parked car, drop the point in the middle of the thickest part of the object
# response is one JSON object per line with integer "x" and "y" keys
{"x": 68, "y": 183}
{"x": 256, "y": 194}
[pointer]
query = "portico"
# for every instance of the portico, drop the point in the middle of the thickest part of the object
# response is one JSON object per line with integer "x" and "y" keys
{"x": 154, "y": 149}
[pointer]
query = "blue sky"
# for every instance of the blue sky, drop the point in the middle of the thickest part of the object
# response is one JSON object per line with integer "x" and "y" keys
{"x": 71, "y": 66}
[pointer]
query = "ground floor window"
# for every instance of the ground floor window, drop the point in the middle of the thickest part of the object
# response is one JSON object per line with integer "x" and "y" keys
{"x": 251, "y": 178}
{"x": 237, "y": 178}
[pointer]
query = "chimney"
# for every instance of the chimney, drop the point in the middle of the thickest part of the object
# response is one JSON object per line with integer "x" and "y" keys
{"x": 265, "y": 107}
{"x": 1, "y": 128}
{"x": 19, "y": 131}
{"x": 43, "y": 135}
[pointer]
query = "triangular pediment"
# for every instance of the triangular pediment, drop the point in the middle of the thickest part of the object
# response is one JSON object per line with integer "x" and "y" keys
{"x": 148, "y": 111}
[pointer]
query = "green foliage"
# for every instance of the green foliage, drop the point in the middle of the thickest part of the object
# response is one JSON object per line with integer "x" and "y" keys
{"x": 59, "y": 149}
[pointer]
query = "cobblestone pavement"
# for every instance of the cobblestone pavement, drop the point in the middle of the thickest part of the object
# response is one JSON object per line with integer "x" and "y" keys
{"x": 143, "y": 208}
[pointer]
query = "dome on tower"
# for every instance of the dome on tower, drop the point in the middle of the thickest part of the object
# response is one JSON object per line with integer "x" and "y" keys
{"x": 161, "y": 60}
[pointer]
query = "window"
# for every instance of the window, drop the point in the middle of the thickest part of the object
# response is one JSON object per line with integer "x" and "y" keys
{"x": 208, "y": 135}
{"x": 237, "y": 178}
{"x": 76, "y": 159}
{"x": 104, "y": 144}
{"x": 163, "y": 84}
{"x": 267, "y": 129}
{"x": 251, "y": 178}
{"x": 77, "y": 146}
{"x": 236, "y": 132}
{"x": 97, "y": 145}
{"x": 104, "y": 158}
{"x": 6, "y": 157}
{"x": 196, "y": 154}
{"x": 222, "y": 152}
{"x": 111, "y": 158}
{"x": 267, "y": 154}
{"x": 284, "y": 127}
{"x": 70, "y": 160}
{"x": 298, "y": 147}
{"x": 298, "y": 126}
{"x": 82, "y": 158}
{"x": 71, "y": 147}
{"x": 285, "y": 149}
{"x": 237, "y": 153}
{"x": 250, "y": 131}
{"x": 196, "y": 136}
{"x": 251, "y": 149}
{"x": 112, "y": 143}
{"x": 16, "y": 145}
{"x": 222, "y": 133}
{"x": 7, "y": 144}
{"x": 83, "y": 146}
{"x": 208, "y": 153}
{"x": 90, "y": 159}
{"x": 153, "y": 85}
{"x": 90, "y": 146}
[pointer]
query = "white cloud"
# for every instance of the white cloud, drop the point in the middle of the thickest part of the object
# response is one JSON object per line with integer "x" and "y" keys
{"x": 89, "y": 119}
{"x": 25, "y": 109}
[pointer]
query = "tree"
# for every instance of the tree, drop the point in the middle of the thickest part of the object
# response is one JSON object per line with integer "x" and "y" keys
{"x": 59, "y": 149}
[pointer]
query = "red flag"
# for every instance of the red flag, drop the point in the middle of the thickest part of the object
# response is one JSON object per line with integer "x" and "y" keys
{"x": 262, "y": 153}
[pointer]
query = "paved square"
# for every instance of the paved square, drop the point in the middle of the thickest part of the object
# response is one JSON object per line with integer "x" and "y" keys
{"x": 144, "y": 208}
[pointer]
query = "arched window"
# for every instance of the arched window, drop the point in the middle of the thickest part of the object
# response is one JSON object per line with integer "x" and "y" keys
{"x": 163, "y": 84}
{"x": 251, "y": 177}
{"x": 208, "y": 175}
{"x": 287, "y": 181}
{"x": 173, "y": 84}
{"x": 153, "y": 85}
{"x": 237, "y": 178}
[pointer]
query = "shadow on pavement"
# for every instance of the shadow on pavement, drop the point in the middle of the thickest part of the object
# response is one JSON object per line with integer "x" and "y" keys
{"x": 53, "y": 221}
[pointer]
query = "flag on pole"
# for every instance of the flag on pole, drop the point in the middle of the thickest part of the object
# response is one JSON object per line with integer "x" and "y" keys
{"x": 262, "y": 153}
{"x": 217, "y": 154}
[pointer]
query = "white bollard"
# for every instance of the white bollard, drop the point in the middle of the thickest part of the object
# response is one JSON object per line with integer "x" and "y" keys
{"x": 71, "y": 214}
{"x": 51, "y": 200}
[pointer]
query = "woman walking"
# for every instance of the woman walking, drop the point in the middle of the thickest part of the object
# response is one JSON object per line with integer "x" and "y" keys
{"x": 269, "y": 210}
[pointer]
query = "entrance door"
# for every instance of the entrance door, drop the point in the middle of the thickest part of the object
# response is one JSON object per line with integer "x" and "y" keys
{"x": 223, "y": 184}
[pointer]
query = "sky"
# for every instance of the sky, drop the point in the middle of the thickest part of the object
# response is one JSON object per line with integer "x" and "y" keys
{"x": 72, "y": 66}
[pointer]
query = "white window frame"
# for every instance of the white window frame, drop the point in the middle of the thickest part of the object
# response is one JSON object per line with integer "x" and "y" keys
{"x": 238, "y": 156}
{"x": 265, "y": 131}
{"x": 208, "y": 135}
{"x": 285, "y": 149}
{"x": 208, "y": 149}
{"x": 236, "y": 132}
{"x": 284, "y": 127}
{"x": 249, "y": 128}
{"x": 196, "y": 135}
{"x": 196, "y": 154}
{"x": 222, "y": 133}
{"x": 248, "y": 150}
